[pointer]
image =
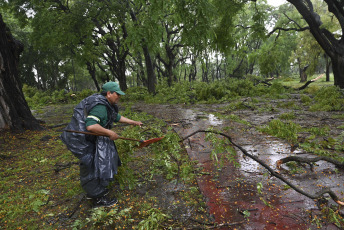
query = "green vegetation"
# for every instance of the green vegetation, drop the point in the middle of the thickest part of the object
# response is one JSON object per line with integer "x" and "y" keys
{"x": 222, "y": 150}
{"x": 328, "y": 99}
{"x": 287, "y": 116}
{"x": 180, "y": 93}
{"x": 171, "y": 52}
{"x": 40, "y": 182}
{"x": 39, "y": 196}
{"x": 285, "y": 130}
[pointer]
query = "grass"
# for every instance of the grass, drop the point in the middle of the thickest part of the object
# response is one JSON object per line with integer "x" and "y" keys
{"x": 31, "y": 183}
{"x": 35, "y": 196}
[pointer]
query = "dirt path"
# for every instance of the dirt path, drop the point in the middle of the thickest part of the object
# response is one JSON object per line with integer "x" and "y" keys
{"x": 231, "y": 192}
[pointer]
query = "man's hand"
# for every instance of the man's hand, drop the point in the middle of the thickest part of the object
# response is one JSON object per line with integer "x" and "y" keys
{"x": 129, "y": 121}
{"x": 138, "y": 123}
{"x": 113, "y": 136}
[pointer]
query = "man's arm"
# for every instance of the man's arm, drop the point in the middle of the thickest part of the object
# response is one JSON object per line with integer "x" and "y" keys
{"x": 129, "y": 121}
{"x": 96, "y": 128}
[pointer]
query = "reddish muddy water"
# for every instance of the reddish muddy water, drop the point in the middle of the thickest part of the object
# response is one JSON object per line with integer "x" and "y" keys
{"x": 230, "y": 192}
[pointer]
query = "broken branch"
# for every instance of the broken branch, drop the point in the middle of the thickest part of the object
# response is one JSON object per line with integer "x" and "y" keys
{"x": 309, "y": 82}
{"x": 315, "y": 196}
{"x": 309, "y": 160}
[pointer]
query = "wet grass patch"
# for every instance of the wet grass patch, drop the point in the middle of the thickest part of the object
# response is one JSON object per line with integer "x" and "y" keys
{"x": 37, "y": 195}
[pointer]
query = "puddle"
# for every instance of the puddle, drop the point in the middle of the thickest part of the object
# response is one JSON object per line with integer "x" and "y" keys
{"x": 211, "y": 119}
{"x": 214, "y": 121}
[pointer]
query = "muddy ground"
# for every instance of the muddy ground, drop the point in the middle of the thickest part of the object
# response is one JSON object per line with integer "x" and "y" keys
{"x": 231, "y": 193}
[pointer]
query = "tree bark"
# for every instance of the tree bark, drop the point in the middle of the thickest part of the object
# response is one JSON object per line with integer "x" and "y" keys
{"x": 151, "y": 77}
{"x": 332, "y": 46}
{"x": 92, "y": 71}
{"x": 338, "y": 70}
{"x": 15, "y": 113}
{"x": 303, "y": 74}
{"x": 328, "y": 64}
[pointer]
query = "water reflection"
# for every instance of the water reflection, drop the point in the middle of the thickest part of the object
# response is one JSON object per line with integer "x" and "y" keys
{"x": 214, "y": 121}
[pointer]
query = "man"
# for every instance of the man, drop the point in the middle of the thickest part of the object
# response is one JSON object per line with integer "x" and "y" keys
{"x": 98, "y": 155}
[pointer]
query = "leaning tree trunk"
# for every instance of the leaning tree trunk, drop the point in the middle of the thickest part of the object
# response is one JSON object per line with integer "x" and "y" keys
{"x": 15, "y": 113}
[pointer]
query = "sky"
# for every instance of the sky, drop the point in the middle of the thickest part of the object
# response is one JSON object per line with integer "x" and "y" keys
{"x": 276, "y": 2}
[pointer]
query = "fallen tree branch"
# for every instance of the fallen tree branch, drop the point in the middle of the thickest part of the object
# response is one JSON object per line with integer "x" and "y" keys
{"x": 60, "y": 166}
{"x": 309, "y": 160}
{"x": 315, "y": 196}
{"x": 309, "y": 82}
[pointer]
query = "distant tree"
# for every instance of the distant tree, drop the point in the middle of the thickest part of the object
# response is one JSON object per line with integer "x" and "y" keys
{"x": 15, "y": 113}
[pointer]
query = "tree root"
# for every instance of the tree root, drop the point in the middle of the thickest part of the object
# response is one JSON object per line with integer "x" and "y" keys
{"x": 316, "y": 196}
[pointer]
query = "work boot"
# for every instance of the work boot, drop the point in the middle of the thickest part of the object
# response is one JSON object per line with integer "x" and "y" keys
{"x": 104, "y": 201}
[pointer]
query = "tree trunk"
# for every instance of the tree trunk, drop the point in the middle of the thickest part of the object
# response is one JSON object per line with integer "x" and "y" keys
{"x": 169, "y": 65}
{"x": 303, "y": 74}
{"x": 151, "y": 77}
{"x": 338, "y": 71}
{"x": 92, "y": 71}
{"x": 332, "y": 46}
{"x": 141, "y": 77}
{"x": 328, "y": 64}
{"x": 122, "y": 79}
{"x": 15, "y": 113}
{"x": 193, "y": 71}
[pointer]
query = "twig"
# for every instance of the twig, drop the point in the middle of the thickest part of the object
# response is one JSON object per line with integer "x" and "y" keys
{"x": 215, "y": 225}
{"x": 77, "y": 206}
{"x": 56, "y": 126}
{"x": 225, "y": 224}
{"x": 59, "y": 167}
{"x": 3, "y": 157}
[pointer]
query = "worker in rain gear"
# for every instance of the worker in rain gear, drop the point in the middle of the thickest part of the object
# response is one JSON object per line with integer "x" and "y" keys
{"x": 97, "y": 155}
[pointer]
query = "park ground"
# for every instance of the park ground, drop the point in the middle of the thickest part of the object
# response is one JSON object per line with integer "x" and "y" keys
{"x": 40, "y": 186}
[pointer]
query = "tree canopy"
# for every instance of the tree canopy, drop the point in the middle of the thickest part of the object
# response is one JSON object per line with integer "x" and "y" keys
{"x": 145, "y": 43}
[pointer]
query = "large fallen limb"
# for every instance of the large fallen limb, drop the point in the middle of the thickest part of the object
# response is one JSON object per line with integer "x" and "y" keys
{"x": 309, "y": 82}
{"x": 315, "y": 196}
{"x": 309, "y": 160}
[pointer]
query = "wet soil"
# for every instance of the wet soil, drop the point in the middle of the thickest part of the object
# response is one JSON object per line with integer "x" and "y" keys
{"x": 230, "y": 192}
{"x": 232, "y": 198}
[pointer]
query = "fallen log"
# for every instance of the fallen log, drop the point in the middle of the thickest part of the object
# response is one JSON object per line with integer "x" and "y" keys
{"x": 316, "y": 196}
{"x": 309, "y": 160}
{"x": 309, "y": 82}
